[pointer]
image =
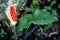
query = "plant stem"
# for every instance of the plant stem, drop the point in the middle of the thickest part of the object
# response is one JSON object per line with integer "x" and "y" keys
{"x": 15, "y": 33}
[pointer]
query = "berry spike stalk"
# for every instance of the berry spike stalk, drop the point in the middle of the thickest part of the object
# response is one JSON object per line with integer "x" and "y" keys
{"x": 11, "y": 14}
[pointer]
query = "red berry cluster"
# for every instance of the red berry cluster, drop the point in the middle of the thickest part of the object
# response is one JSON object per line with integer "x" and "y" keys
{"x": 13, "y": 13}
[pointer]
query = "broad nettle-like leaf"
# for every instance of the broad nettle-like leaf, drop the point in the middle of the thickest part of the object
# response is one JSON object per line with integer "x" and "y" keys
{"x": 24, "y": 23}
{"x": 38, "y": 17}
{"x": 42, "y": 18}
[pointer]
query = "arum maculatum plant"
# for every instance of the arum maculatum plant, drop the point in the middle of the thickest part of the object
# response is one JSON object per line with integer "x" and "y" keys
{"x": 11, "y": 14}
{"x": 38, "y": 16}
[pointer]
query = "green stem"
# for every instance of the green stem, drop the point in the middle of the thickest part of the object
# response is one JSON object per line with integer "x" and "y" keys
{"x": 15, "y": 33}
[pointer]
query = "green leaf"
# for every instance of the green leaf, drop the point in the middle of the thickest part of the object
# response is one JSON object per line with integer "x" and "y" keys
{"x": 36, "y": 1}
{"x": 1, "y": 9}
{"x": 47, "y": 7}
{"x": 2, "y": 33}
{"x": 27, "y": 16}
{"x": 44, "y": 10}
{"x": 24, "y": 23}
{"x": 42, "y": 18}
{"x": 37, "y": 14}
{"x": 53, "y": 2}
{"x": 5, "y": 1}
{"x": 54, "y": 12}
{"x": 21, "y": 5}
{"x": 38, "y": 17}
{"x": 59, "y": 6}
{"x": 48, "y": 0}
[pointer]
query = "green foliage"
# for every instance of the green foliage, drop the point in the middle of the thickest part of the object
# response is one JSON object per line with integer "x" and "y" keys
{"x": 24, "y": 23}
{"x": 1, "y": 9}
{"x": 36, "y": 1}
{"x": 5, "y": 1}
{"x": 59, "y": 38}
{"x": 59, "y": 6}
{"x": 53, "y": 2}
{"x": 42, "y": 18}
{"x": 38, "y": 17}
{"x": 48, "y": 0}
{"x": 21, "y": 5}
{"x": 47, "y": 27}
{"x": 54, "y": 12}
{"x": 2, "y": 33}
